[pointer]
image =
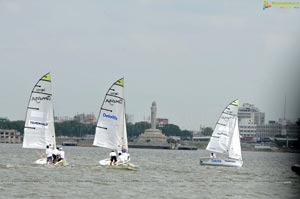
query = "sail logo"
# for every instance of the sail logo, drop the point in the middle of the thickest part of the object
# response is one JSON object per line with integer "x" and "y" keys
{"x": 226, "y": 118}
{"x": 292, "y": 4}
{"x": 40, "y": 89}
{"x": 113, "y": 117}
{"x": 113, "y": 101}
{"x": 39, "y": 99}
{"x": 266, "y": 5}
{"x": 36, "y": 123}
{"x": 114, "y": 93}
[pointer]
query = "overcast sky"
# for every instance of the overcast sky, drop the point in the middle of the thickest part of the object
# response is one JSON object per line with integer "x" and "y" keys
{"x": 192, "y": 57}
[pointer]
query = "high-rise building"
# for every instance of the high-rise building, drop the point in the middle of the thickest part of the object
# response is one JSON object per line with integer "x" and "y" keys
{"x": 271, "y": 129}
{"x": 249, "y": 111}
{"x": 85, "y": 118}
{"x": 249, "y": 117}
{"x": 274, "y": 129}
{"x": 10, "y": 136}
{"x": 161, "y": 122}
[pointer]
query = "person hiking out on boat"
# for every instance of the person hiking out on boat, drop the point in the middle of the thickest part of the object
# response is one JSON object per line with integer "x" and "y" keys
{"x": 55, "y": 155}
{"x": 113, "y": 157}
{"x": 61, "y": 154}
{"x": 213, "y": 155}
{"x": 49, "y": 153}
{"x": 121, "y": 158}
{"x": 125, "y": 154}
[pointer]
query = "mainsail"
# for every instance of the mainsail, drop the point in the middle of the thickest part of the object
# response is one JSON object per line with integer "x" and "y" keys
{"x": 39, "y": 123}
{"x": 111, "y": 126}
{"x": 226, "y": 134}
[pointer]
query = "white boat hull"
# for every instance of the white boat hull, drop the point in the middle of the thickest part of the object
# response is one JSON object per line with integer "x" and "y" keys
{"x": 221, "y": 162}
{"x": 43, "y": 161}
{"x": 122, "y": 165}
{"x": 61, "y": 163}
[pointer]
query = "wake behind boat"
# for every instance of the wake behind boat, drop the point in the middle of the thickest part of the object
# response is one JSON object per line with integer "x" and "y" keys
{"x": 39, "y": 129}
{"x": 225, "y": 139}
{"x": 111, "y": 130}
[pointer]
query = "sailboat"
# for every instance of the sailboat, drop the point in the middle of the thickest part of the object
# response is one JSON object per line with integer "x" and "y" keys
{"x": 39, "y": 123}
{"x": 225, "y": 139}
{"x": 111, "y": 130}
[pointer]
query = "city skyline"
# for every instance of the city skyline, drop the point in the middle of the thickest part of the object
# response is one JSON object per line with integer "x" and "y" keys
{"x": 192, "y": 58}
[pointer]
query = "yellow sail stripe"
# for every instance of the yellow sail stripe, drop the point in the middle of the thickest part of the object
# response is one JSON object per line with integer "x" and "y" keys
{"x": 236, "y": 102}
{"x": 47, "y": 77}
{"x": 120, "y": 82}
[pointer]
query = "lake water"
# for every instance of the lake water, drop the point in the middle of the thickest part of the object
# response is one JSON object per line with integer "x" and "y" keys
{"x": 162, "y": 174}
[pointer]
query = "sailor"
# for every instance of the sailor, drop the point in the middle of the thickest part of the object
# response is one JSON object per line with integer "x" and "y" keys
{"x": 61, "y": 154}
{"x": 121, "y": 158}
{"x": 213, "y": 155}
{"x": 55, "y": 154}
{"x": 49, "y": 153}
{"x": 126, "y": 156}
{"x": 113, "y": 157}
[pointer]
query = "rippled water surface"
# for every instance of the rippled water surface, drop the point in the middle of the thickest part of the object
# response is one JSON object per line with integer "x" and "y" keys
{"x": 162, "y": 174}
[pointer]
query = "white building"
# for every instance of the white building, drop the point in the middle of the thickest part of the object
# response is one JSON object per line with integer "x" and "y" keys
{"x": 249, "y": 117}
{"x": 274, "y": 129}
{"x": 10, "y": 136}
{"x": 247, "y": 128}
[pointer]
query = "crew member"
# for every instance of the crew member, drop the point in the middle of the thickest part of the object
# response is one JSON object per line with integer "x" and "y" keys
{"x": 113, "y": 157}
{"x": 61, "y": 154}
{"x": 49, "y": 153}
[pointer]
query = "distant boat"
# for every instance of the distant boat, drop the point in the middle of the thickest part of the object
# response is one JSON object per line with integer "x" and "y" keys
{"x": 111, "y": 130}
{"x": 296, "y": 168}
{"x": 39, "y": 123}
{"x": 225, "y": 139}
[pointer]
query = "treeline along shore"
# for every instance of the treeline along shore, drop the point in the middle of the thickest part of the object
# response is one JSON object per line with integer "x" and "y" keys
{"x": 77, "y": 129}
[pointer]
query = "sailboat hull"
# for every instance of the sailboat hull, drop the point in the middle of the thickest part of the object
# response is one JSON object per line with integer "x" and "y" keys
{"x": 221, "y": 162}
{"x": 61, "y": 163}
{"x": 296, "y": 168}
{"x": 41, "y": 161}
{"x": 124, "y": 165}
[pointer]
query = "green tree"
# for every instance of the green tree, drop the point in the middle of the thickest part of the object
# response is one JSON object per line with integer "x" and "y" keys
{"x": 174, "y": 130}
{"x": 134, "y": 130}
{"x": 207, "y": 131}
{"x": 74, "y": 128}
{"x": 16, "y": 125}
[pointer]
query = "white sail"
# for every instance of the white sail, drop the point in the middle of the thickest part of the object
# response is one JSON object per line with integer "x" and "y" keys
{"x": 39, "y": 123}
{"x": 221, "y": 137}
{"x": 235, "y": 146}
{"x": 111, "y": 126}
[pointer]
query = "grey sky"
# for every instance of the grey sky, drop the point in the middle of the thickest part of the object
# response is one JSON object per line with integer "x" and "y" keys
{"x": 191, "y": 57}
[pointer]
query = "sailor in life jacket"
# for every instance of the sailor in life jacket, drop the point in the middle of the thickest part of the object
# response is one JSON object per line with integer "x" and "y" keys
{"x": 125, "y": 155}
